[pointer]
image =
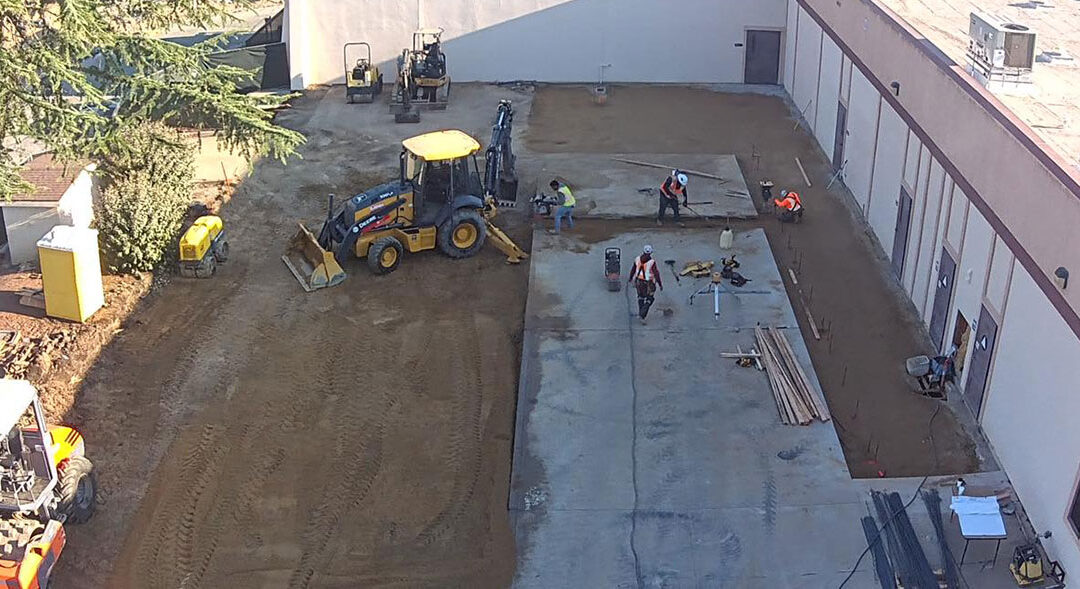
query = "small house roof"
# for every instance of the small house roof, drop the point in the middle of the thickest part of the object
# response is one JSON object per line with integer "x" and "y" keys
{"x": 50, "y": 177}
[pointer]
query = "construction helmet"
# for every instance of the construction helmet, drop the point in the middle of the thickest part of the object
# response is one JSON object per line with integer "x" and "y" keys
{"x": 647, "y": 249}
{"x": 783, "y": 194}
{"x": 681, "y": 178}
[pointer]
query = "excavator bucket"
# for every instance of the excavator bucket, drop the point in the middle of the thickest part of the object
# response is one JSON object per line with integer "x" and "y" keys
{"x": 502, "y": 241}
{"x": 313, "y": 267}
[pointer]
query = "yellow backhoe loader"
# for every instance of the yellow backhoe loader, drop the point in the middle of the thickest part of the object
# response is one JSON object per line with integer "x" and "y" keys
{"x": 439, "y": 200}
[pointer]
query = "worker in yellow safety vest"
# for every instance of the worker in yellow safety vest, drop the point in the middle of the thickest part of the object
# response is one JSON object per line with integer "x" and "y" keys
{"x": 790, "y": 205}
{"x": 566, "y": 204}
{"x": 646, "y": 279}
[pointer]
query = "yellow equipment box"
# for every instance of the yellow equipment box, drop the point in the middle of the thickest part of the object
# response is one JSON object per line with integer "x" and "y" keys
{"x": 71, "y": 272}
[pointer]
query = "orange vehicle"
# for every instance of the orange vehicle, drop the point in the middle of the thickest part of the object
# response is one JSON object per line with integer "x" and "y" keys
{"x": 45, "y": 482}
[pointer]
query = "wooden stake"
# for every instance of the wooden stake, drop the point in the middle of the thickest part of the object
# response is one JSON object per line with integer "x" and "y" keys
{"x": 663, "y": 167}
{"x": 801, "y": 169}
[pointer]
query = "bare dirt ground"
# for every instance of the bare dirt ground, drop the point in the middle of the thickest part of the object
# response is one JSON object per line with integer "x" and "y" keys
{"x": 882, "y": 425}
{"x": 248, "y": 434}
{"x": 55, "y": 354}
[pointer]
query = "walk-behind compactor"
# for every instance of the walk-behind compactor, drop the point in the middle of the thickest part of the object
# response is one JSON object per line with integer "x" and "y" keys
{"x": 439, "y": 201}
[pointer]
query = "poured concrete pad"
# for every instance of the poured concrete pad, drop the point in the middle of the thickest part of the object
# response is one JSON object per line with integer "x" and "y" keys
{"x": 607, "y": 188}
{"x": 643, "y": 459}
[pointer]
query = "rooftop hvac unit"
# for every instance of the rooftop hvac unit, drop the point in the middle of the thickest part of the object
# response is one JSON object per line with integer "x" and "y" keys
{"x": 996, "y": 44}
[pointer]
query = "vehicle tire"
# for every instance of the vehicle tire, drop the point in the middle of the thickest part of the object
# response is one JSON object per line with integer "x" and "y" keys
{"x": 463, "y": 234}
{"x": 207, "y": 267}
{"x": 77, "y": 490}
{"x": 222, "y": 252}
{"x": 384, "y": 255}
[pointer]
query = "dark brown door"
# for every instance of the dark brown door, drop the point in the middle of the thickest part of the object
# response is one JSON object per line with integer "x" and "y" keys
{"x": 841, "y": 133}
{"x": 903, "y": 225}
{"x": 942, "y": 298}
{"x": 985, "y": 335}
{"x": 762, "y": 57}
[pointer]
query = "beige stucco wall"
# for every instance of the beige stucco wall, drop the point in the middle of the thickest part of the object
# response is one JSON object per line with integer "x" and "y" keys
{"x": 1037, "y": 207}
{"x": 678, "y": 41}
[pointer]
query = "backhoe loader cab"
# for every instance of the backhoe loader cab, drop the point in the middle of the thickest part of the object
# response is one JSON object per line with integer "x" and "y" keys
{"x": 438, "y": 201}
{"x": 45, "y": 481}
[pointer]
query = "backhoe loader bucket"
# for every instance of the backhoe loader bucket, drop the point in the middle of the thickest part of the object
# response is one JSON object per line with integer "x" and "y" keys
{"x": 313, "y": 267}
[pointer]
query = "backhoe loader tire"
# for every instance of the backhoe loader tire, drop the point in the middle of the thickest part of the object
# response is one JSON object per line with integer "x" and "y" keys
{"x": 384, "y": 255}
{"x": 463, "y": 234}
{"x": 77, "y": 490}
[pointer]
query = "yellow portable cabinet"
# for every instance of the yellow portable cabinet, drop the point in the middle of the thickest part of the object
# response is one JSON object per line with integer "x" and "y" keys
{"x": 71, "y": 272}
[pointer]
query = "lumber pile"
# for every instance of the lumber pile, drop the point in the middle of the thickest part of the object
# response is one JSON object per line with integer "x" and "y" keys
{"x": 31, "y": 358}
{"x": 797, "y": 401}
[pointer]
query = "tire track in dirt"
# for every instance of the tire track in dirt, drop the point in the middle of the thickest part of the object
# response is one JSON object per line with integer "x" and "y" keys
{"x": 361, "y": 457}
{"x": 192, "y": 535}
{"x": 165, "y": 557}
{"x": 464, "y": 457}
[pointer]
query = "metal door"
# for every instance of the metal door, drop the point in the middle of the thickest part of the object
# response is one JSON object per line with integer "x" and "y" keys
{"x": 939, "y": 316}
{"x": 762, "y": 57}
{"x": 985, "y": 335}
{"x": 841, "y": 133}
{"x": 903, "y": 225}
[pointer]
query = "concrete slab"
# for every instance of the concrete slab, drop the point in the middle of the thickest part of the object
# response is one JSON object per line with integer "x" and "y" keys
{"x": 607, "y": 188}
{"x": 643, "y": 459}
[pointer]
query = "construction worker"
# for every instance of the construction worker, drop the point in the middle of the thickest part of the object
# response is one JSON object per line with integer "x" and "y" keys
{"x": 646, "y": 279}
{"x": 790, "y": 205}
{"x": 673, "y": 188}
{"x": 566, "y": 204}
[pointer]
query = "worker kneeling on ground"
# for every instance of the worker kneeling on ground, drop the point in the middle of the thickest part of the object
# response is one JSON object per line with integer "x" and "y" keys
{"x": 566, "y": 204}
{"x": 671, "y": 191}
{"x": 790, "y": 205}
{"x": 646, "y": 279}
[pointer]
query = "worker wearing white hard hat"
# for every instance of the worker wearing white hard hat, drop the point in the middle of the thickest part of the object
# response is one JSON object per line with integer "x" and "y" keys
{"x": 671, "y": 191}
{"x": 646, "y": 279}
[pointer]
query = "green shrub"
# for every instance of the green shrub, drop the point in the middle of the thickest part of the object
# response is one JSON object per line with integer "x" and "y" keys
{"x": 147, "y": 189}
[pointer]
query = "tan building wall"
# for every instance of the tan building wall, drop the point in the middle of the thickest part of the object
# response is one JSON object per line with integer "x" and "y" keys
{"x": 984, "y": 193}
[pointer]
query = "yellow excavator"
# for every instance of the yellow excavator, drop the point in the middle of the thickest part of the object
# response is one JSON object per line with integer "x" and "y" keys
{"x": 439, "y": 201}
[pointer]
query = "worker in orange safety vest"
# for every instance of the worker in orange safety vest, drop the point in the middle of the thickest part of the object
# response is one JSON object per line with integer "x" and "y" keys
{"x": 790, "y": 205}
{"x": 646, "y": 279}
{"x": 671, "y": 191}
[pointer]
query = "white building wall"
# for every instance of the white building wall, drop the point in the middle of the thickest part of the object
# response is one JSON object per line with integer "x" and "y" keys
{"x": 1030, "y": 412}
{"x": 828, "y": 95}
{"x": 1001, "y": 268}
{"x": 862, "y": 132}
{"x": 542, "y": 40}
{"x": 808, "y": 48}
{"x": 792, "y": 33}
{"x": 923, "y": 256}
{"x": 26, "y": 224}
{"x": 971, "y": 271}
{"x": 927, "y": 306}
{"x": 921, "y": 207}
{"x": 888, "y": 174}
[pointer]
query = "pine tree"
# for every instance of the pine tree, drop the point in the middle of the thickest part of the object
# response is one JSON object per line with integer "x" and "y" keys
{"x": 76, "y": 74}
